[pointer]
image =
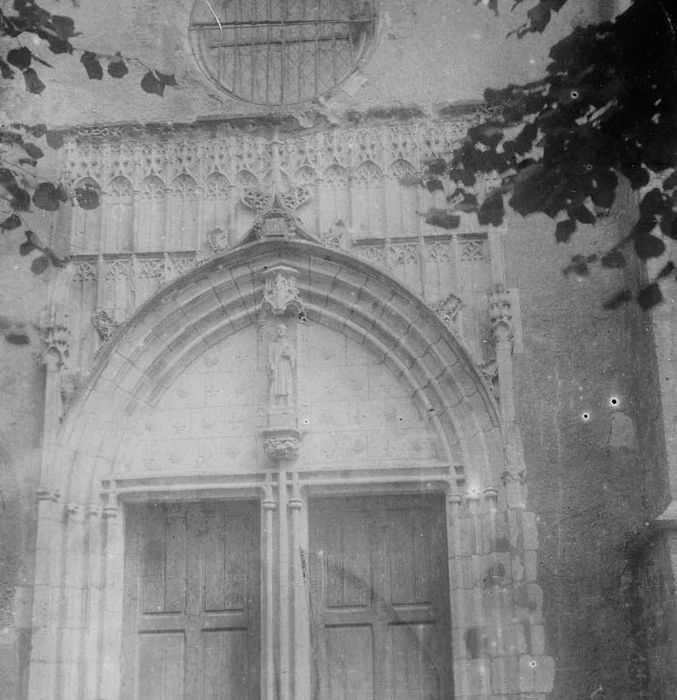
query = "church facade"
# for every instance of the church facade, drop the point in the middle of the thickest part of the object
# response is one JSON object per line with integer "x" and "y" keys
{"x": 300, "y": 442}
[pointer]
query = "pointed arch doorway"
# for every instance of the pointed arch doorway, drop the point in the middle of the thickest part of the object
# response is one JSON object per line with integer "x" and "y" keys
{"x": 234, "y": 507}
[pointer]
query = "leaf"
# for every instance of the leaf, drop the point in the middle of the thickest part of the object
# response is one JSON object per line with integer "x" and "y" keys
{"x": 21, "y": 200}
{"x": 10, "y": 223}
{"x": 33, "y": 82}
{"x": 26, "y": 247}
{"x": 117, "y": 68}
{"x": 34, "y": 239}
{"x": 63, "y": 26}
{"x": 437, "y": 166}
{"x": 38, "y": 130}
{"x": 603, "y": 198}
{"x": 670, "y": 181}
{"x": 7, "y": 178}
{"x": 491, "y": 211}
{"x": 649, "y": 246}
{"x": 433, "y": 184}
{"x": 33, "y": 151}
{"x": 5, "y": 71}
{"x": 666, "y": 270}
{"x": 652, "y": 202}
{"x": 581, "y": 213}
{"x": 152, "y": 84}
{"x": 538, "y": 16}
{"x": 442, "y": 218}
{"x": 614, "y": 259}
{"x": 20, "y": 58}
{"x": 87, "y": 197}
{"x": 57, "y": 44}
{"x": 54, "y": 139}
{"x": 617, "y": 300}
{"x": 92, "y": 65}
{"x": 649, "y": 296}
{"x": 673, "y": 229}
{"x": 564, "y": 230}
{"x": 39, "y": 265}
{"x": 46, "y": 197}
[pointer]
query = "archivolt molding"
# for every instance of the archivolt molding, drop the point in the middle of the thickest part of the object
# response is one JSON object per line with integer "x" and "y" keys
{"x": 216, "y": 300}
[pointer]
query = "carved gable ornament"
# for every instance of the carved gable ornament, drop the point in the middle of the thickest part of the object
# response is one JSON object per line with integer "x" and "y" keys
{"x": 280, "y": 292}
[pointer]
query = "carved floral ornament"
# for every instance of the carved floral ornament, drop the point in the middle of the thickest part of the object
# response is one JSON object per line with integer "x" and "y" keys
{"x": 280, "y": 292}
{"x": 282, "y": 445}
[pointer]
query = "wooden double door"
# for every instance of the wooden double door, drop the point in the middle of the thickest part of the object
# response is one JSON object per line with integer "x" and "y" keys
{"x": 378, "y": 600}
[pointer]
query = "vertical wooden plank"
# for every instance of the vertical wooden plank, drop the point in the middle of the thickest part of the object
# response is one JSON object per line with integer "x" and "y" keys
{"x": 235, "y": 554}
{"x": 399, "y": 556}
{"x": 152, "y": 584}
{"x": 332, "y": 546}
{"x": 214, "y": 563}
{"x": 175, "y": 564}
{"x": 355, "y": 573}
{"x": 425, "y": 526}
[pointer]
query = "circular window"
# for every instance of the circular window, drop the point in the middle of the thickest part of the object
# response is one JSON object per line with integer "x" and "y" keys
{"x": 280, "y": 52}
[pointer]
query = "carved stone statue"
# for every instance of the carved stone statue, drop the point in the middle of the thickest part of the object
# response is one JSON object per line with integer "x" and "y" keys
{"x": 281, "y": 367}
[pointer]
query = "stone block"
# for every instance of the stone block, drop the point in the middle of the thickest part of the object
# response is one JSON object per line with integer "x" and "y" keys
{"x": 529, "y": 530}
{"x": 505, "y": 674}
{"x": 518, "y": 570}
{"x": 536, "y": 673}
{"x": 460, "y": 573}
{"x": 472, "y": 677}
{"x": 531, "y": 564}
{"x": 537, "y": 639}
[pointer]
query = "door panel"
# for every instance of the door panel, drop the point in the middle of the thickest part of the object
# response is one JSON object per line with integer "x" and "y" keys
{"x": 162, "y": 657}
{"x": 380, "y": 598}
{"x": 192, "y": 602}
{"x": 350, "y": 664}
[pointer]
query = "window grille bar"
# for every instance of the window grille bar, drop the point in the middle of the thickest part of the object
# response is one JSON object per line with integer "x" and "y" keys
{"x": 316, "y": 60}
{"x": 221, "y": 45}
{"x": 252, "y": 59}
{"x": 272, "y": 23}
{"x": 270, "y": 12}
{"x": 283, "y": 52}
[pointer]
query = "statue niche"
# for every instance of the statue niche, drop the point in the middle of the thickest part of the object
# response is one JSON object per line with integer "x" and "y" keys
{"x": 281, "y": 358}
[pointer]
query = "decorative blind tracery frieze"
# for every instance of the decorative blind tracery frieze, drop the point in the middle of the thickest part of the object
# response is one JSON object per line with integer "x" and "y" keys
{"x": 396, "y": 150}
{"x": 169, "y": 202}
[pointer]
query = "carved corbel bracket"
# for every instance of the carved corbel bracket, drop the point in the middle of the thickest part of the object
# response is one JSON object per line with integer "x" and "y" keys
{"x": 280, "y": 292}
{"x": 499, "y": 311}
{"x": 55, "y": 346}
{"x": 281, "y": 444}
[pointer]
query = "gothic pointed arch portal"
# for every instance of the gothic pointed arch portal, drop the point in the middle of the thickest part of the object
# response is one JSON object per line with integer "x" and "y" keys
{"x": 286, "y": 376}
